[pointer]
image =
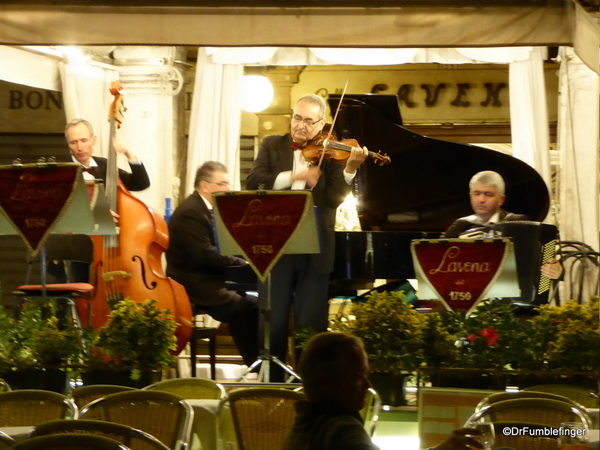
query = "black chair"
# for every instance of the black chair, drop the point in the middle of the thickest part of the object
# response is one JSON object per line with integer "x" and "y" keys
{"x": 580, "y": 269}
{"x": 199, "y": 331}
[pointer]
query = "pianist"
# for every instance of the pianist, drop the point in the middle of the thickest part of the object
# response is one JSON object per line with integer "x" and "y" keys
{"x": 486, "y": 190}
{"x": 193, "y": 261}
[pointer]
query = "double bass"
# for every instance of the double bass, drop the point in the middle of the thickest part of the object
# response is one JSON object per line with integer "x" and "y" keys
{"x": 128, "y": 265}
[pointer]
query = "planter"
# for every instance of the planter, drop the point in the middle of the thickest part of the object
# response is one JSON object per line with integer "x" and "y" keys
{"x": 119, "y": 378}
{"x": 467, "y": 378}
{"x": 499, "y": 379}
{"x": 390, "y": 387}
{"x": 527, "y": 378}
{"x": 49, "y": 379}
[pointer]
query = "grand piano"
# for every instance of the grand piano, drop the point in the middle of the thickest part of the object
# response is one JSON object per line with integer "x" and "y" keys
{"x": 418, "y": 195}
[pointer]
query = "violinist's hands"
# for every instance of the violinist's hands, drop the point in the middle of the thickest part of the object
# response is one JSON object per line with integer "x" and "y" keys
{"x": 310, "y": 175}
{"x": 356, "y": 158}
{"x": 461, "y": 439}
{"x": 115, "y": 217}
{"x": 552, "y": 269}
{"x": 121, "y": 149}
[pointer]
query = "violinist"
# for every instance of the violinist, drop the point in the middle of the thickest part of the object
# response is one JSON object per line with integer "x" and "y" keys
{"x": 81, "y": 140}
{"x": 301, "y": 281}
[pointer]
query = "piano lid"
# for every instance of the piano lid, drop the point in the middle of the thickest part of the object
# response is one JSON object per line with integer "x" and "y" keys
{"x": 426, "y": 186}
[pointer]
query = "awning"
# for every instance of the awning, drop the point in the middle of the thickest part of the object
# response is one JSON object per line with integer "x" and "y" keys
{"x": 556, "y": 23}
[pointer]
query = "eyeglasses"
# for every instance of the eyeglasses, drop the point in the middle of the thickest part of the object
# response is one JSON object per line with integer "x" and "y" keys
{"x": 307, "y": 122}
{"x": 221, "y": 184}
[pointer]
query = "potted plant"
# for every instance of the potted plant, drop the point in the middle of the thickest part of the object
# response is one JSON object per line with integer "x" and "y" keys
{"x": 136, "y": 341}
{"x": 35, "y": 351}
{"x": 565, "y": 341}
{"x": 398, "y": 340}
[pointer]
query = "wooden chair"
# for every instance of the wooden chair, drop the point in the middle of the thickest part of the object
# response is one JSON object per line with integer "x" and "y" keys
{"x": 262, "y": 417}
{"x": 501, "y": 396}
{"x": 165, "y": 416}
{"x": 31, "y": 407}
{"x": 82, "y": 395}
{"x": 69, "y": 442}
{"x": 581, "y": 395}
{"x": 131, "y": 437}
{"x": 192, "y": 388}
{"x": 543, "y": 411}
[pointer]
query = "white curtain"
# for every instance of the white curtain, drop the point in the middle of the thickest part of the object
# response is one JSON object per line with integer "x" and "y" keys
{"x": 529, "y": 113}
{"x": 578, "y": 150}
{"x": 578, "y": 123}
{"x": 215, "y": 118}
{"x": 86, "y": 95}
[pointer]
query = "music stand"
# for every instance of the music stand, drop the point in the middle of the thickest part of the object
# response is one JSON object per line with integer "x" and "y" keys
{"x": 462, "y": 272}
{"x": 75, "y": 216}
{"x": 261, "y": 226}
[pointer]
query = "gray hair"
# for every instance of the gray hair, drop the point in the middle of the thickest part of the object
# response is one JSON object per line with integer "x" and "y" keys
{"x": 206, "y": 170}
{"x": 488, "y": 178}
{"x": 74, "y": 122}
{"x": 315, "y": 100}
{"x": 322, "y": 353}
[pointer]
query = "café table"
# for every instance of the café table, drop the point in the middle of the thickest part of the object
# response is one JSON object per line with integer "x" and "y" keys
{"x": 209, "y": 431}
{"x": 17, "y": 433}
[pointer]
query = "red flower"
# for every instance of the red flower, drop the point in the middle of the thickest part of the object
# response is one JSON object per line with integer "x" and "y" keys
{"x": 472, "y": 338}
{"x": 490, "y": 335}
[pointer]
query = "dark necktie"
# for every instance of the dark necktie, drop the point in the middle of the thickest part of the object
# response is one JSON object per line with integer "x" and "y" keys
{"x": 214, "y": 228}
{"x": 91, "y": 170}
{"x": 296, "y": 146}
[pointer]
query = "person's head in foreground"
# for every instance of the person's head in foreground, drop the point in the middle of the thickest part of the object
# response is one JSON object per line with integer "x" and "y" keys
{"x": 334, "y": 370}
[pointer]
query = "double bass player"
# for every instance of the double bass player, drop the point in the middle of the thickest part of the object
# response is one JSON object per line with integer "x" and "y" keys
{"x": 81, "y": 140}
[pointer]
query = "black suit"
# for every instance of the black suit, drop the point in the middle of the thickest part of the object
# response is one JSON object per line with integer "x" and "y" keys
{"x": 137, "y": 180}
{"x": 300, "y": 280}
{"x": 193, "y": 261}
{"x": 463, "y": 224}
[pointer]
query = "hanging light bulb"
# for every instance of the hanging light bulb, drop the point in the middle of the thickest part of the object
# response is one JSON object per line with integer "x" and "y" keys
{"x": 257, "y": 93}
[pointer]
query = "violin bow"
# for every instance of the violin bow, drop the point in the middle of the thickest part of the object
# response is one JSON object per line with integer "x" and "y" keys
{"x": 326, "y": 143}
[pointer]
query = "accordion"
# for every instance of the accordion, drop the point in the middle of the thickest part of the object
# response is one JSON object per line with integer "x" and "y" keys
{"x": 535, "y": 243}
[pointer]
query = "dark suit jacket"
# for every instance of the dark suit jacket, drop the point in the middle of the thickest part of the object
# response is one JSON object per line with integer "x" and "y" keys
{"x": 192, "y": 257}
{"x": 137, "y": 180}
{"x": 276, "y": 156}
{"x": 462, "y": 224}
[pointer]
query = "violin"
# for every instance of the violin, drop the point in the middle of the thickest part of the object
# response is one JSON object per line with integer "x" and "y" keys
{"x": 325, "y": 146}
